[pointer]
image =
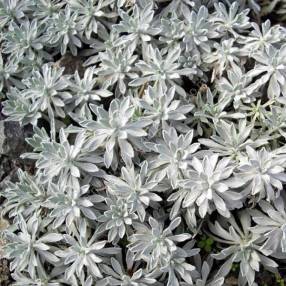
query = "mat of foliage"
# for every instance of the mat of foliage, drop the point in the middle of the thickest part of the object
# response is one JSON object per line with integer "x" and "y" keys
{"x": 159, "y": 150}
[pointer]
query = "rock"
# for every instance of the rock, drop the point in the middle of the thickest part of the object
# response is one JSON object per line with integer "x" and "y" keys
{"x": 2, "y": 137}
{"x": 5, "y": 278}
{"x": 231, "y": 281}
{"x": 71, "y": 64}
{"x": 8, "y": 171}
{"x": 4, "y": 224}
{"x": 12, "y": 138}
{"x": 12, "y": 145}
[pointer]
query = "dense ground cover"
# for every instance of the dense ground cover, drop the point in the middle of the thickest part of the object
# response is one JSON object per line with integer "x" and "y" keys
{"x": 144, "y": 142}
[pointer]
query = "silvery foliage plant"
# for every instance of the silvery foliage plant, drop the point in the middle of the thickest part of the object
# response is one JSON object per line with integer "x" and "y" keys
{"x": 172, "y": 127}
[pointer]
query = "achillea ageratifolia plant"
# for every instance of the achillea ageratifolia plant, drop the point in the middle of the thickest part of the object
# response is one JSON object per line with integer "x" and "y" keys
{"x": 173, "y": 129}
